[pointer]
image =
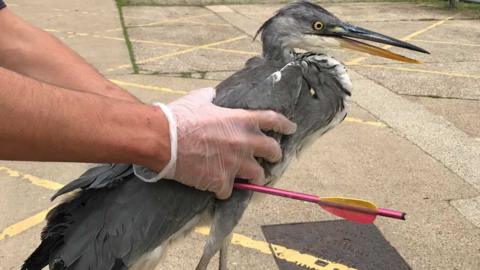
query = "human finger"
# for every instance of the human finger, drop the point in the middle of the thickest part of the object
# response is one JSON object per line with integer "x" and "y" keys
{"x": 270, "y": 120}
{"x": 252, "y": 171}
{"x": 266, "y": 147}
{"x": 225, "y": 188}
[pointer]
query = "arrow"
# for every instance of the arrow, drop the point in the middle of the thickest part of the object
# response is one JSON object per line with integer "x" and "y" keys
{"x": 355, "y": 210}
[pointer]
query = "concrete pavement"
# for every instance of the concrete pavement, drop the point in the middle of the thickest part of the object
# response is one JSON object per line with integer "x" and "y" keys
{"x": 410, "y": 142}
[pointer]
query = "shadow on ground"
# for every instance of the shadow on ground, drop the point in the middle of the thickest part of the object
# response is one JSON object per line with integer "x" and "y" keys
{"x": 356, "y": 245}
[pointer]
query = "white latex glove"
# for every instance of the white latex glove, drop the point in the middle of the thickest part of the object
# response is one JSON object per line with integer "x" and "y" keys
{"x": 215, "y": 144}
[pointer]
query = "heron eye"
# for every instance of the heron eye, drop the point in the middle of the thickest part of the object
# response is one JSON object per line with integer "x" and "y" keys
{"x": 318, "y": 25}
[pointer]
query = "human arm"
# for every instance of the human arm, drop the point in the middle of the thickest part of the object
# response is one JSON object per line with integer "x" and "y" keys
{"x": 34, "y": 53}
{"x": 43, "y": 122}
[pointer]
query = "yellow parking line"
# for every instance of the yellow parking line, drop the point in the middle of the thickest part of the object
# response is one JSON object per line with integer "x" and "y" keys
{"x": 452, "y": 74}
{"x": 149, "y": 87}
{"x": 32, "y": 179}
{"x": 281, "y": 252}
{"x": 161, "y": 22}
{"x": 232, "y": 51}
{"x": 161, "y": 43}
{"x": 24, "y": 225}
{"x": 192, "y": 49}
{"x": 185, "y": 19}
{"x": 155, "y": 42}
{"x": 51, "y": 30}
{"x": 357, "y": 60}
{"x": 364, "y": 122}
{"x": 446, "y": 42}
{"x": 152, "y": 59}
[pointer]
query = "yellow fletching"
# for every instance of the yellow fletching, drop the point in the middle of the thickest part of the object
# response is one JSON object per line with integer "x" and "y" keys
{"x": 350, "y": 202}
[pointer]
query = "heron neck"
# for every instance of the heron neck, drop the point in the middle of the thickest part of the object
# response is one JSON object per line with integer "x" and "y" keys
{"x": 275, "y": 50}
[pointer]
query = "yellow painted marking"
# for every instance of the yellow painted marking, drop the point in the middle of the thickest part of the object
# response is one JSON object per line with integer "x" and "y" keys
{"x": 231, "y": 51}
{"x": 161, "y": 22}
{"x": 428, "y": 28}
{"x": 149, "y": 87}
{"x": 193, "y": 23}
{"x": 152, "y": 59}
{"x": 281, "y": 252}
{"x": 162, "y": 43}
{"x": 51, "y": 30}
{"x": 447, "y": 42}
{"x": 32, "y": 179}
{"x": 155, "y": 42}
{"x": 185, "y": 19}
{"x": 364, "y": 122}
{"x": 452, "y": 74}
{"x": 192, "y": 49}
{"x": 357, "y": 60}
{"x": 147, "y": 41}
{"x": 23, "y": 225}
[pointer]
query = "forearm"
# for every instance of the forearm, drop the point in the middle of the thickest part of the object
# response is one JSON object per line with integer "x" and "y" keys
{"x": 37, "y": 54}
{"x": 47, "y": 123}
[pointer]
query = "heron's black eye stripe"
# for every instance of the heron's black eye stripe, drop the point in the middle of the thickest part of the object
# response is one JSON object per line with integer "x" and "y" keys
{"x": 317, "y": 26}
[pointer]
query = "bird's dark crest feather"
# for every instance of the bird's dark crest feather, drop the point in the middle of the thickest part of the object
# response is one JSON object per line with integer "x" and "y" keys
{"x": 288, "y": 9}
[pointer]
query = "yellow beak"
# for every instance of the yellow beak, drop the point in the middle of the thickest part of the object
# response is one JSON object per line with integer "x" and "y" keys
{"x": 356, "y": 45}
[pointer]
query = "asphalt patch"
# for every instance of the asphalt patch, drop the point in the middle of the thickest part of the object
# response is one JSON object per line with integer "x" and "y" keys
{"x": 354, "y": 245}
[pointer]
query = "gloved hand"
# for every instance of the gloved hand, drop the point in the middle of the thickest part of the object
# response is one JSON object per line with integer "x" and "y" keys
{"x": 215, "y": 144}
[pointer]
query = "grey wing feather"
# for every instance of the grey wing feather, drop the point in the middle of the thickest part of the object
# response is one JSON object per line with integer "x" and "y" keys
{"x": 97, "y": 177}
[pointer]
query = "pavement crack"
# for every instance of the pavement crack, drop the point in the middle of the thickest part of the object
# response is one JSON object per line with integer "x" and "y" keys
{"x": 438, "y": 97}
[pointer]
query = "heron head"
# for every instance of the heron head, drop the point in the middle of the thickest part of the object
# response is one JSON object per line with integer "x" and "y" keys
{"x": 307, "y": 26}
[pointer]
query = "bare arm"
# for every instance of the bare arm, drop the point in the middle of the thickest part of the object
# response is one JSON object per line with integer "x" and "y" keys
{"x": 48, "y": 123}
{"x": 34, "y": 53}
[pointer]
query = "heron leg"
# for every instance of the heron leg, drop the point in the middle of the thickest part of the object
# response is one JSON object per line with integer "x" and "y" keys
{"x": 226, "y": 217}
{"x": 223, "y": 263}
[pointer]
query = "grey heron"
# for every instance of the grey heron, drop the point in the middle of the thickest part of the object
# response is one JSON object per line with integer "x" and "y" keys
{"x": 119, "y": 222}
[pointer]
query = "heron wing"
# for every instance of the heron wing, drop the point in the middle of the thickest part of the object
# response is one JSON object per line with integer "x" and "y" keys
{"x": 114, "y": 220}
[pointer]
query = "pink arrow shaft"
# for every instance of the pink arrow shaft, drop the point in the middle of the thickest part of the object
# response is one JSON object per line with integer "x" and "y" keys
{"x": 315, "y": 199}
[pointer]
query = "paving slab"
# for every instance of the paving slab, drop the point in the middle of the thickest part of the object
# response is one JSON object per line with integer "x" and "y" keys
{"x": 469, "y": 207}
{"x": 462, "y": 113}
